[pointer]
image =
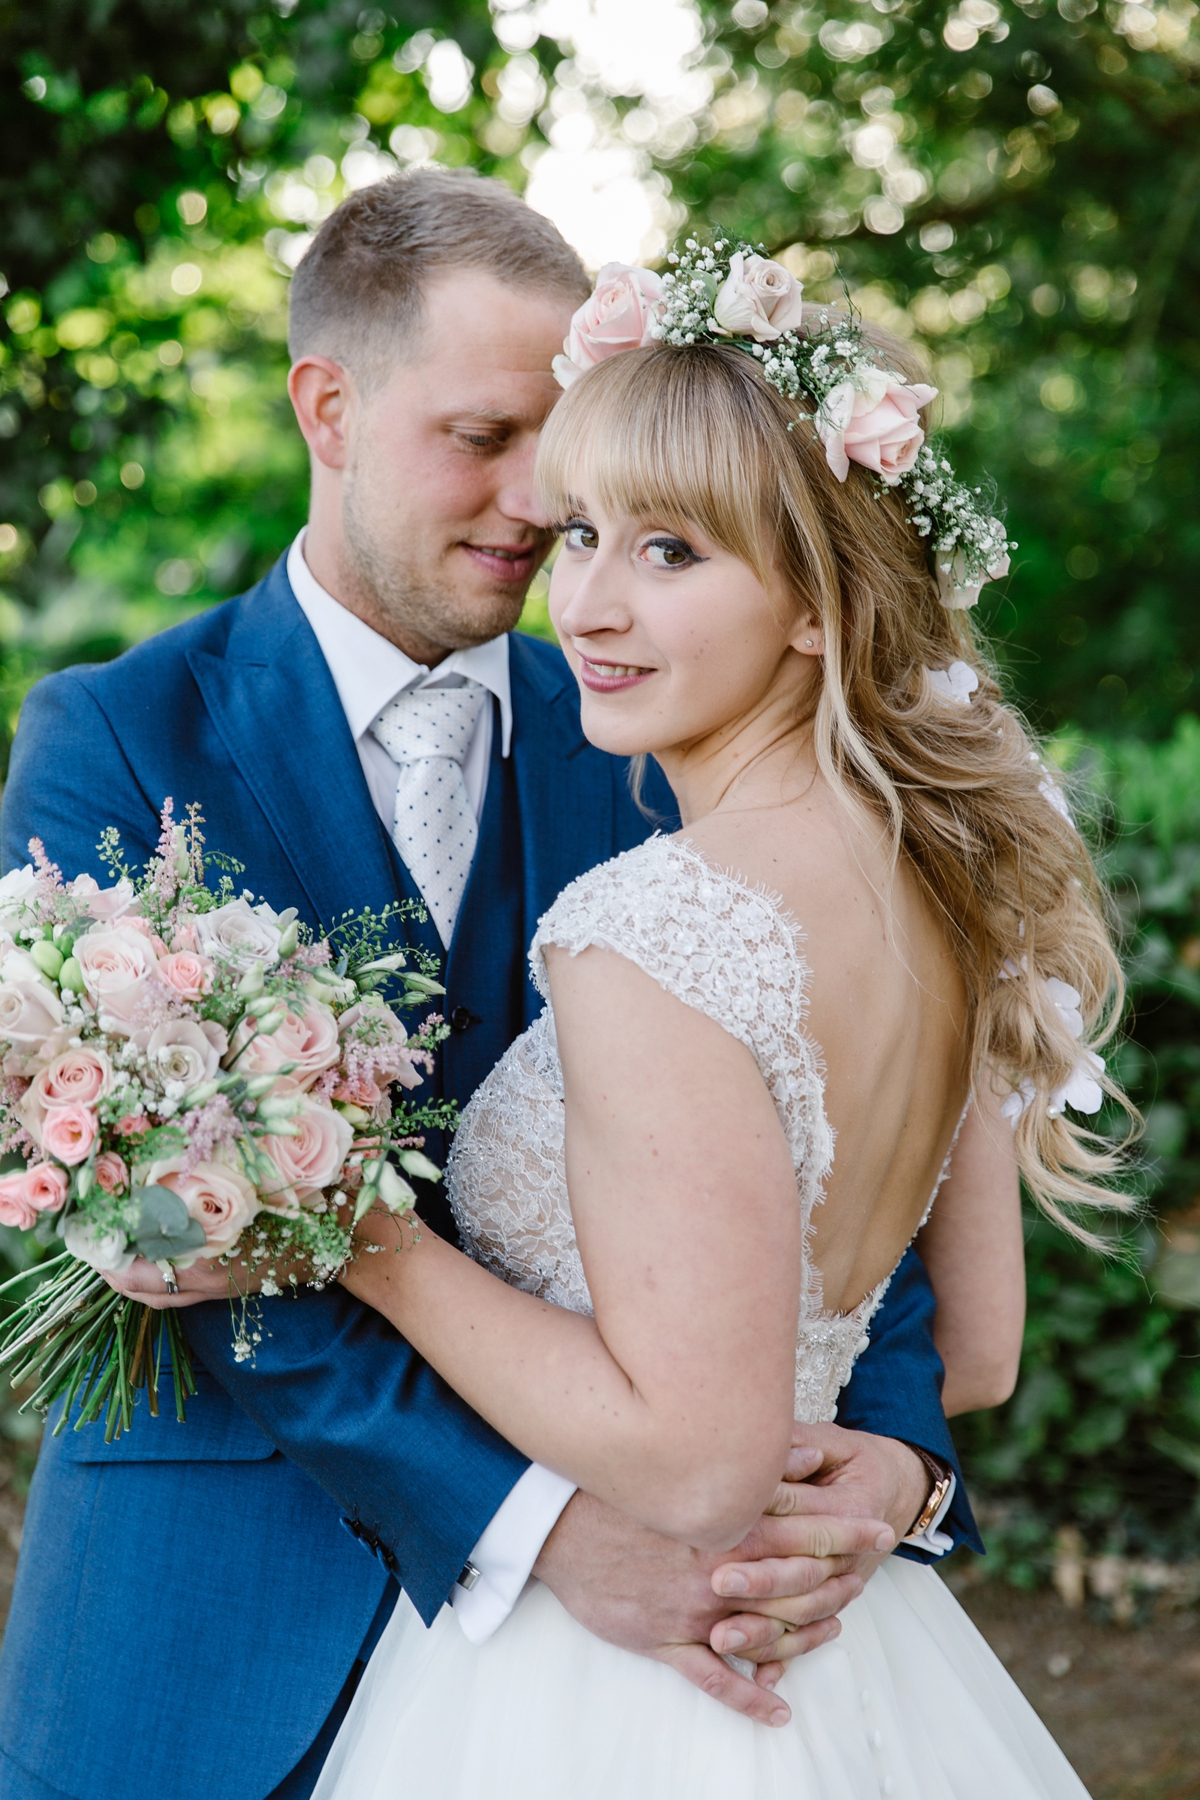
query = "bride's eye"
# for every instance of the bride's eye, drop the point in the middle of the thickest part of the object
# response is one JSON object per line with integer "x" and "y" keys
{"x": 668, "y": 553}
{"x": 579, "y": 536}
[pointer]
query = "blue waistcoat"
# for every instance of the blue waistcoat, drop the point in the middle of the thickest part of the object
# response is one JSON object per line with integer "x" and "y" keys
{"x": 190, "y": 1599}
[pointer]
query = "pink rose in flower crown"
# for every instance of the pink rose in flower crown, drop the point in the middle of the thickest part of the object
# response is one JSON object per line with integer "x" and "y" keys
{"x": 45, "y": 1187}
{"x": 873, "y": 421}
{"x": 112, "y": 1173}
{"x": 187, "y": 974}
{"x": 758, "y": 299}
{"x": 618, "y": 315}
{"x": 309, "y": 1039}
{"x": 15, "y": 1209}
{"x": 219, "y": 1197}
{"x": 116, "y": 963}
{"x": 312, "y": 1159}
{"x": 103, "y": 903}
{"x": 81, "y": 1076}
{"x": 68, "y": 1133}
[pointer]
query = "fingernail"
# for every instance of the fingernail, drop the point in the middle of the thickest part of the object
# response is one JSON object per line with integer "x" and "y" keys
{"x": 780, "y": 1716}
{"x": 734, "y": 1583}
{"x": 885, "y": 1540}
{"x": 733, "y": 1638}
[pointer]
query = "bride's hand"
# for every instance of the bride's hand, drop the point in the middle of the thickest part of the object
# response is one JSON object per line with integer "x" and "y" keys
{"x": 205, "y": 1280}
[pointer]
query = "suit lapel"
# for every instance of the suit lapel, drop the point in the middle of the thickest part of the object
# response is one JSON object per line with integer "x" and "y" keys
{"x": 272, "y": 699}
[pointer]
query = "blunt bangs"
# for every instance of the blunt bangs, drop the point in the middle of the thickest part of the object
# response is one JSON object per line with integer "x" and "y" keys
{"x": 676, "y": 437}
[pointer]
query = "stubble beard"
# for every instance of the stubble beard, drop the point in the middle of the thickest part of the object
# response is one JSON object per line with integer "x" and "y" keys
{"x": 408, "y": 597}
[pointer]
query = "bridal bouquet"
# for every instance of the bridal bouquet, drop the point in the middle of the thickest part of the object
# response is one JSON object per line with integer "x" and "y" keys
{"x": 187, "y": 1073}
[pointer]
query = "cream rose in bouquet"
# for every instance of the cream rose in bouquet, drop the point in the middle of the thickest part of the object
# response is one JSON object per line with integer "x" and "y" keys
{"x": 186, "y": 1073}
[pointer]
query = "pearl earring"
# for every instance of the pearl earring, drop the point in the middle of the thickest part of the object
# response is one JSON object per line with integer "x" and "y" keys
{"x": 808, "y": 642}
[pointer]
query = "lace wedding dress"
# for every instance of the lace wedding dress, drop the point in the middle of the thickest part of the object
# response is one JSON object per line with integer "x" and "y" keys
{"x": 908, "y": 1701}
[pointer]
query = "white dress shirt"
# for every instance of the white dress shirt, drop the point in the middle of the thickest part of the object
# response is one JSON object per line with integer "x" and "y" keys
{"x": 368, "y": 672}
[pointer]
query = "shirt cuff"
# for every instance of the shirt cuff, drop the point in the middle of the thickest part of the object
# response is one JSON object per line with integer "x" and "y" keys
{"x": 505, "y": 1554}
{"x": 931, "y": 1540}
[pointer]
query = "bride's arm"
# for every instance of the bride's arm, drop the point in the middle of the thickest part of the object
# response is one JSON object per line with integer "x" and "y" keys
{"x": 974, "y": 1251}
{"x": 675, "y": 1403}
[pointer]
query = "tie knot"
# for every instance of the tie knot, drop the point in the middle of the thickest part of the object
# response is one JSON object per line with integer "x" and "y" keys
{"x": 430, "y": 721}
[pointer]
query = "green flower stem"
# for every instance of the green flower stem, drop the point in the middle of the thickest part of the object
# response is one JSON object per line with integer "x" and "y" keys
{"x": 94, "y": 1349}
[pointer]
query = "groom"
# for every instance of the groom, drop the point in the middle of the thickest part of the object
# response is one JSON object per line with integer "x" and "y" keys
{"x": 195, "y": 1602}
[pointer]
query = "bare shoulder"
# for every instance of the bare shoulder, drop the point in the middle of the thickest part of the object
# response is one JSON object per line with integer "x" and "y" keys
{"x": 825, "y": 868}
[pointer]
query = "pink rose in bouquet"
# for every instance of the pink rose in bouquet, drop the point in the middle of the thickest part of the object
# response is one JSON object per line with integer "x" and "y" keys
{"x": 116, "y": 964}
{"x": 308, "y": 1038}
{"x": 103, "y": 903}
{"x": 313, "y": 1158}
{"x": 112, "y": 1173}
{"x": 185, "y": 1050}
{"x": 16, "y": 1209}
{"x": 29, "y": 1011}
{"x": 46, "y": 1187}
{"x": 218, "y": 1197}
{"x": 79, "y": 1076}
{"x": 187, "y": 974}
{"x": 68, "y": 1133}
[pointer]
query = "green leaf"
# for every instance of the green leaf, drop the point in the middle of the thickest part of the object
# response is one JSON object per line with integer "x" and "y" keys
{"x": 164, "y": 1227}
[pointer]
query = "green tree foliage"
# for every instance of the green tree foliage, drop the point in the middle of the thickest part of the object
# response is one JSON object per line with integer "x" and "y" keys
{"x": 1015, "y": 186}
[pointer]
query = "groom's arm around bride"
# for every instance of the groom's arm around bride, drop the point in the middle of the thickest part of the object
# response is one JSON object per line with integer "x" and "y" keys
{"x": 190, "y": 1612}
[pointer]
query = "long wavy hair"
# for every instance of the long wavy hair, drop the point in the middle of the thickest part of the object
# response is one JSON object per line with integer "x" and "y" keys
{"x": 694, "y": 436}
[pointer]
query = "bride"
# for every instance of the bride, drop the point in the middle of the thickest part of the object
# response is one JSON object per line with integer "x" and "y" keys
{"x": 696, "y": 1172}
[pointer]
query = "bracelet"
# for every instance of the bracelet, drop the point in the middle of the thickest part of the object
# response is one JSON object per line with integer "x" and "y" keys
{"x": 940, "y": 1479}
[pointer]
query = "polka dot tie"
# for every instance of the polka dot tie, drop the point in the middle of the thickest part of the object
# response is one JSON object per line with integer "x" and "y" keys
{"x": 428, "y": 731}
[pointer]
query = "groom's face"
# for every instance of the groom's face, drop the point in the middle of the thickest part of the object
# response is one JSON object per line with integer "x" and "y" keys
{"x": 442, "y": 529}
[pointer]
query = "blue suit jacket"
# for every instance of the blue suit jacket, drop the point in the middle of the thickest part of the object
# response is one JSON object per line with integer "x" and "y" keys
{"x": 188, "y": 1603}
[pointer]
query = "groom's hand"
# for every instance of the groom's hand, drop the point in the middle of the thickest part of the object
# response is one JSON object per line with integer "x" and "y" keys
{"x": 833, "y": 1476}
{"x": 659, "y": 1598}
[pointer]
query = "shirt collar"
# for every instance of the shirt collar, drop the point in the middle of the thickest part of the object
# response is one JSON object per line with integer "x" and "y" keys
{"x": 368, "y": 671}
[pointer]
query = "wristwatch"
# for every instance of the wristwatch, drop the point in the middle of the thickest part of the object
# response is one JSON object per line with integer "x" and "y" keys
{"x": 941, "y": 1479}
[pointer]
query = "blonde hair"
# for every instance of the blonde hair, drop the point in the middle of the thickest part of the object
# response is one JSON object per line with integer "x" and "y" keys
{"x": 694, "y": 436}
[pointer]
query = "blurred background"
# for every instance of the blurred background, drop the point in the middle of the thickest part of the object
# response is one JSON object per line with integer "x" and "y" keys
{"x": 1014, "y": 185}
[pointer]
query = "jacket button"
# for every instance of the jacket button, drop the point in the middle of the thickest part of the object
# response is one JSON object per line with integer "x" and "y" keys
{"x": 461, "y": 1020}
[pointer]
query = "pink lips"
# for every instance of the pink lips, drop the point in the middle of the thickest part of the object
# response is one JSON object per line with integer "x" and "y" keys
{"x": 515, "y": 564}
{"x": 590, "y": 673}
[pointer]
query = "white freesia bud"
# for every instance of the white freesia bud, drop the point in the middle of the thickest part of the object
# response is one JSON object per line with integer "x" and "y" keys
{"x": 394, "y": 1191}
{"x": 414, "y": 1162}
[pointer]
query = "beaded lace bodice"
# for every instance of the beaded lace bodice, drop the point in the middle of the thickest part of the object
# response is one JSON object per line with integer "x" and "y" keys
{"x": 729, "y": 951}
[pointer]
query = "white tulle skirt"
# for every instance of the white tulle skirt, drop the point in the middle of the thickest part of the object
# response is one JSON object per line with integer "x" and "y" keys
{"x": 909, "y": 1701}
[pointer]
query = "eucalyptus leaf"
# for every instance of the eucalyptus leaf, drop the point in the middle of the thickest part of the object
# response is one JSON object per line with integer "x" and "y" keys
{"x": 164, "y": 1227}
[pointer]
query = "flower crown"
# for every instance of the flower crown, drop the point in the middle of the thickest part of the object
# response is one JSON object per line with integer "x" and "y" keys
{"x": 862, "y": 412}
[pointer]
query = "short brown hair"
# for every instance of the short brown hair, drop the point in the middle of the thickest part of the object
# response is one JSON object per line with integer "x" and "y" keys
{"x": 357, "y": 294}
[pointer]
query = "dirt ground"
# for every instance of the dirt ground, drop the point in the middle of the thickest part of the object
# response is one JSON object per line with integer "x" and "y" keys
{"x": 1124, "y": 1704}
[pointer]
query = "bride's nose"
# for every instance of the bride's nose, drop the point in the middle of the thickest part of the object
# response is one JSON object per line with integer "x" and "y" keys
{"x": 597, "y": 600}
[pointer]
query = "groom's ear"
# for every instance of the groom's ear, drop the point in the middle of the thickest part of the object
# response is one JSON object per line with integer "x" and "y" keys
{"x": 323, "y": 395}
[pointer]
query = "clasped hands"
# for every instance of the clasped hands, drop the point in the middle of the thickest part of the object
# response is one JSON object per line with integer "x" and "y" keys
{"x": 845, "y": 1500}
